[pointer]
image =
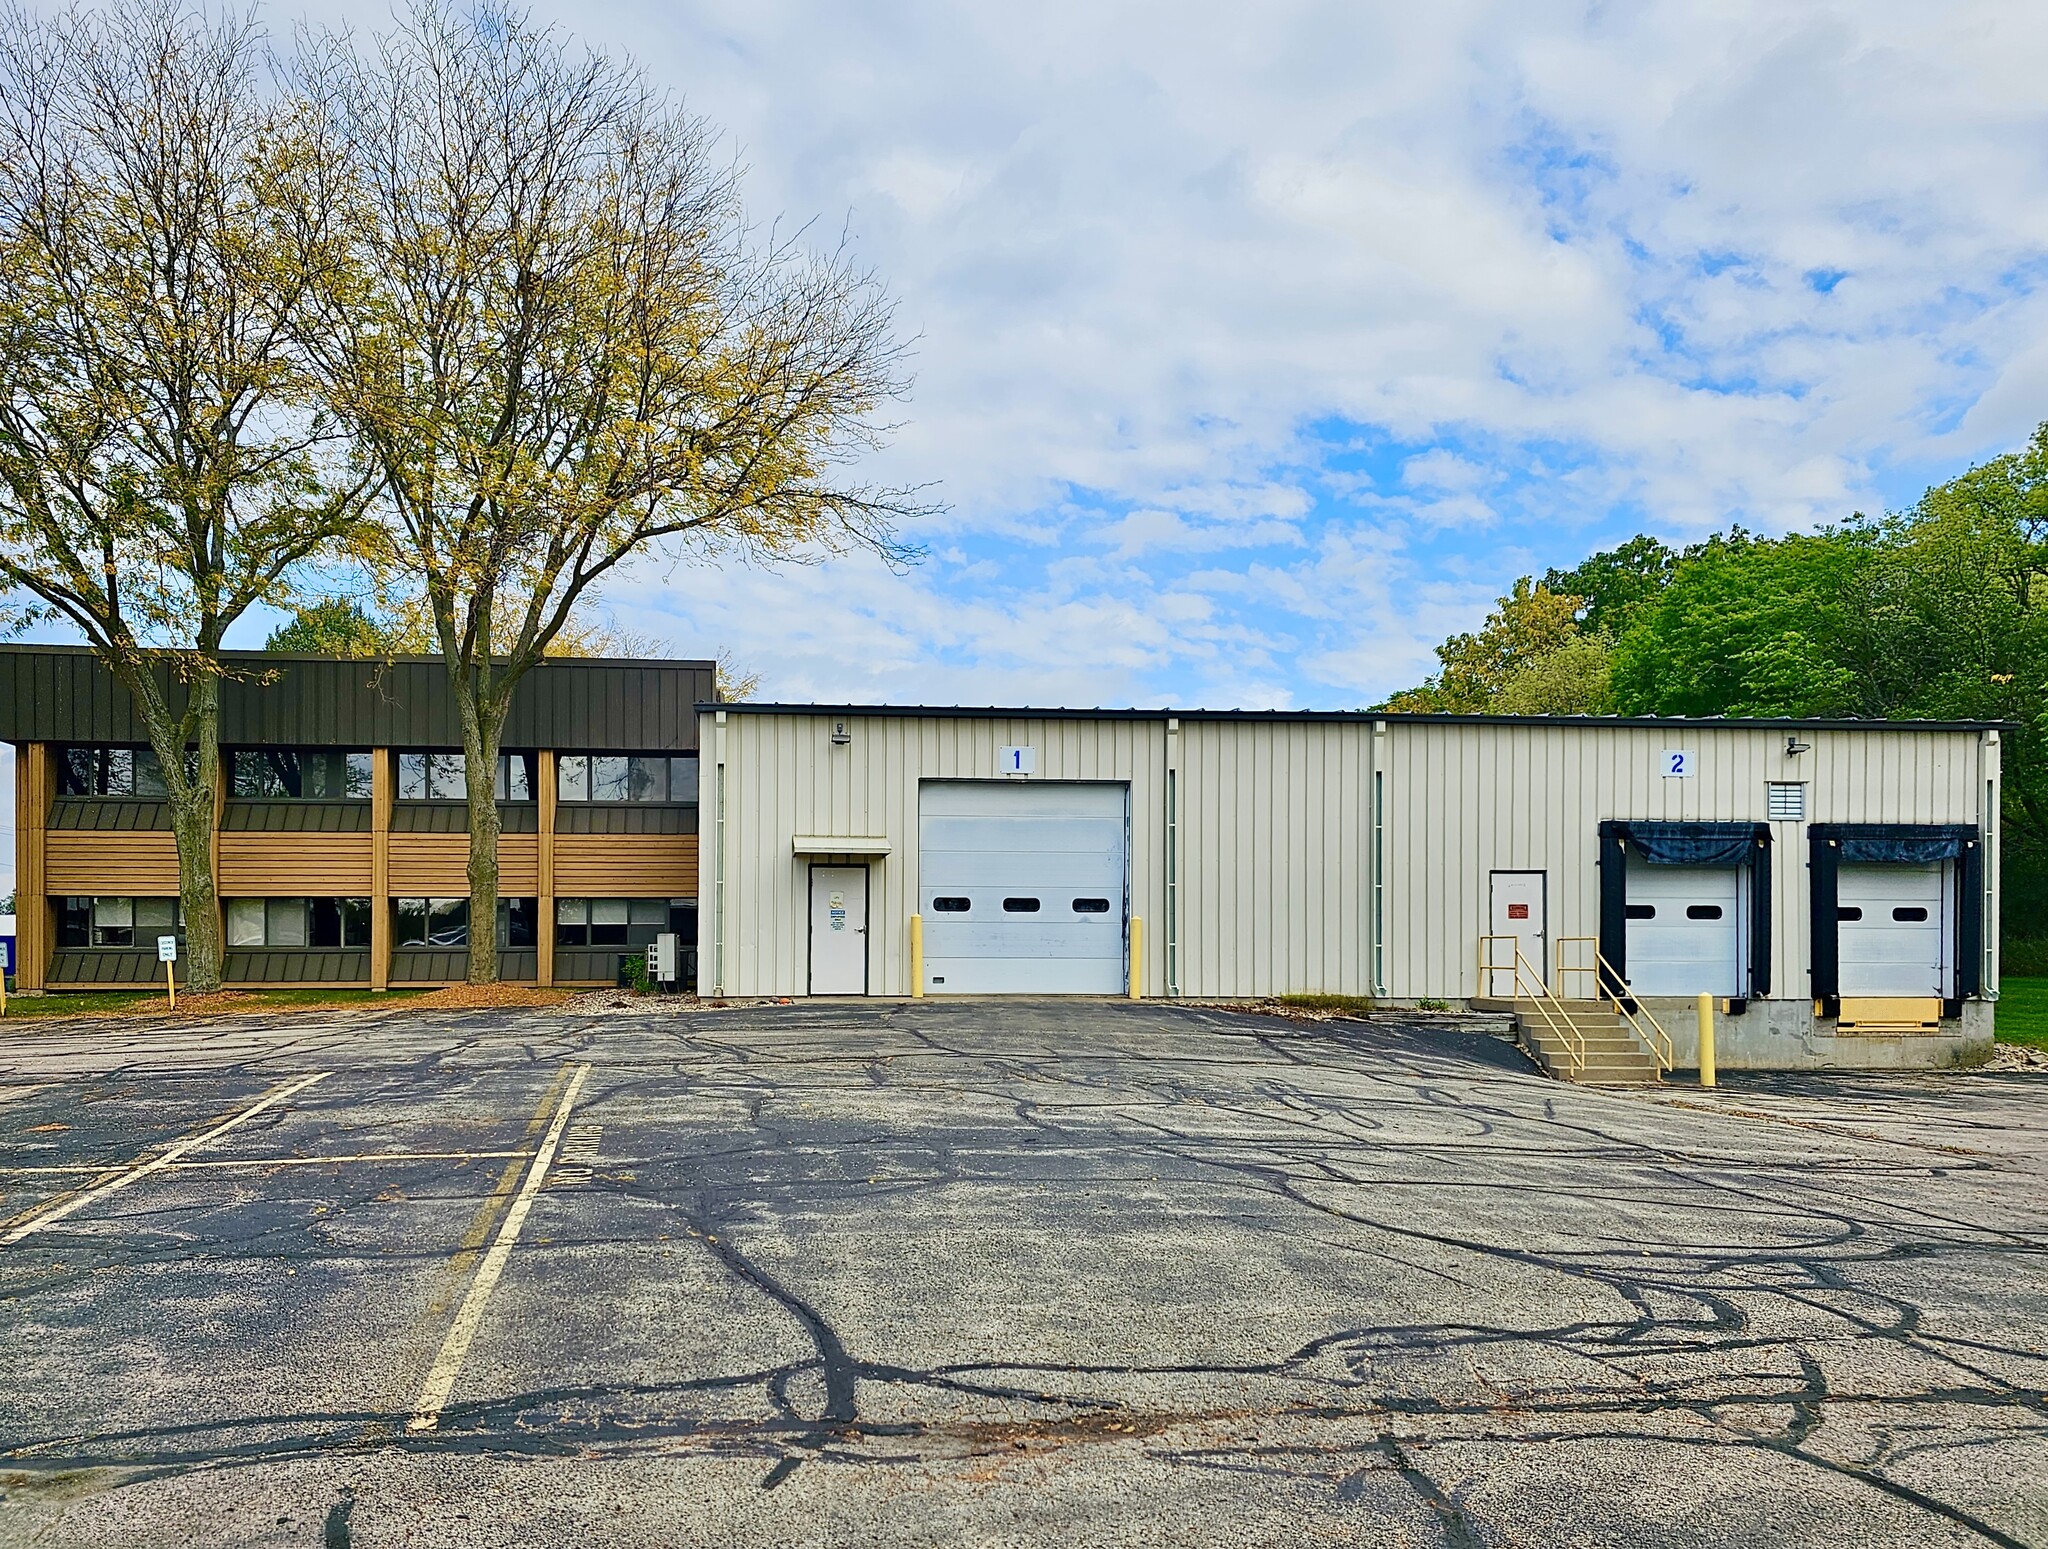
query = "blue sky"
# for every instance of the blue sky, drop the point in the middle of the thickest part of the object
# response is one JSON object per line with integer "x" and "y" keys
{"x": 1258, "y": 348}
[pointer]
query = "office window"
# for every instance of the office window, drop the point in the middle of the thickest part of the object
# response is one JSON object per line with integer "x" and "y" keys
{"x": 443, "y": 777}
{"x": 299, "y": 774}
{"x": 444, "y": 922}
{"x": 298, "y": 922}
{"x": 109, "y": 772}
{"x": 622, "y": 922}
{"x": 116, "y": 922}
{"x": 649, "y": 777}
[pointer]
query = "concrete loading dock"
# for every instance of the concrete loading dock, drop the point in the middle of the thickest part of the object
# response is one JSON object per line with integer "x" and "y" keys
{"x": 1832, "y": 884}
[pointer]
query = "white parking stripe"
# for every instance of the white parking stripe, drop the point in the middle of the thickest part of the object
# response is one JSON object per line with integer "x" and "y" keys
{"x": 77, "y": 1202}
{"x": 426, "y": 1414}
{"x": 295, "y": 1161}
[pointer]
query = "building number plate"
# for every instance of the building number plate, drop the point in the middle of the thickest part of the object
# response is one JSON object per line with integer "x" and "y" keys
{"x": 1677, "y": 763}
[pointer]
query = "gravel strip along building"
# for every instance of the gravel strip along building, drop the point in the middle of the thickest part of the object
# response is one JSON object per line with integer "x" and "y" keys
{"x": 1832, "y": 885}
{"x": 343, "y": 846}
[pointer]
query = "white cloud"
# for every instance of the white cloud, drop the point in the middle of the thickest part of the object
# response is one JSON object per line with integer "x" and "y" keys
{"x": 1175, "y": 271}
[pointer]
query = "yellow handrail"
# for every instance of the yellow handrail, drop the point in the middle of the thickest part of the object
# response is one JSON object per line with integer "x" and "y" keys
{"x": 1605, "y": 977}
{"x": 1554, "y": 1015}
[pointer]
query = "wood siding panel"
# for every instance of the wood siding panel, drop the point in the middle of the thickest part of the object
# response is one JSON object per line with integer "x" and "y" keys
{"x": 294, "y": 865}
{"x": 144, "y": 864}
{"x": 437, "y": 865}
{"x": 429, "y": 866}
{"x": 33, "y": 777}
{"x": 625, "y": 865}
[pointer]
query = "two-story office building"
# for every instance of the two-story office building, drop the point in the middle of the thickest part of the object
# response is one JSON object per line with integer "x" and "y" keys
{"x": 343, "y": 846}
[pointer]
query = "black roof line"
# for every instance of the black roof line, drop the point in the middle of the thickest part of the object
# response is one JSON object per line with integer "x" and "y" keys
{"x": 695, "y": 664}
{"x": 1406, "y": 718}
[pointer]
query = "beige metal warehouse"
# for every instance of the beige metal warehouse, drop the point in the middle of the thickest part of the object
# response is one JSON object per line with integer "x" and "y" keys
{"x": 1833, "y": 885}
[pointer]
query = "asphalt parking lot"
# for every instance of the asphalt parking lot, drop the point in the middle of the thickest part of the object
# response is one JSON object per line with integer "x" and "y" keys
{"x": 981, "y": 1273}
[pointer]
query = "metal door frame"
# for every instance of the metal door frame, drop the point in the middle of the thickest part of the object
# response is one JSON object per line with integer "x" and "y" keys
{"x": 867, "y": 894}
{"x": 1543, "y": 894}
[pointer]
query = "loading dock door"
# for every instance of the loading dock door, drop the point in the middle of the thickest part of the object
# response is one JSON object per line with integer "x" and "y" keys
{"x": 1023, "y": 888}
{"x": 1894, "y": 931}
{"x": 1685, "y": 929}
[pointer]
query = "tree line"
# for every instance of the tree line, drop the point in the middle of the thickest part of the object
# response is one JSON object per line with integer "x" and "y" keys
{"x": 463, "y": 310}
{"x": 1937, "y": 612}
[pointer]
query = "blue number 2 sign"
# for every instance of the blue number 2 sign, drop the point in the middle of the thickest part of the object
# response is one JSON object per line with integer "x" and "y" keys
{"x": 1677, "y": 763}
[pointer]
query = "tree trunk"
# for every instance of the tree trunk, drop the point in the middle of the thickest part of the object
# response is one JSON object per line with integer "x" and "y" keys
{"x": 192, "y": 820}
{"x": 195, "y": 811}
{"x": 481, "y": 728}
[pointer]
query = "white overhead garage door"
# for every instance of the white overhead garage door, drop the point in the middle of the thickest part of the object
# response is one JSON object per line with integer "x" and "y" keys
{"x": 1023, "y": 887}
{"x": 1684, "y": 929}
{"x": 1893, "y": 931}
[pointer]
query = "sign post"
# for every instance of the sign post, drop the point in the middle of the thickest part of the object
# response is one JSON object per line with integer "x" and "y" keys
{"x": 167, "y": 954}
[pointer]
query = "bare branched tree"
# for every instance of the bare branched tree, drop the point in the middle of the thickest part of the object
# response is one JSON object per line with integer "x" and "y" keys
{"x": 161, "y": 455}
{"x": 544, "y": 322}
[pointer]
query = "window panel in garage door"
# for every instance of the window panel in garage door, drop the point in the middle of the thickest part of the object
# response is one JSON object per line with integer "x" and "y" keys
{"x": 1685, "y": 929}
{"x": 1023, "y": 887}
{"x": 1894, "y": 932}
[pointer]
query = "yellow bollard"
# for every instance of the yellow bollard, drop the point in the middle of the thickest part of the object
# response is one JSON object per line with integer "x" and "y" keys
{"x": 1137, "y": 958}
{"x": 917, "y": 957}
{"x": 1706, "y": 1040}
{"x": 171, "y": 982}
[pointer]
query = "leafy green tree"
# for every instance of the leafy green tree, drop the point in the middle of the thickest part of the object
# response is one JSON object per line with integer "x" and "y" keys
{"x": 1616, "y": 584}
{"x": 556, "y": 344}
{"x": 334, "y": 626}
{"x": 163, "y": 464}
{"x": 1525, "y": 626}
{"x": 1576, "y": 678}
{"x": 1748, "y": 626}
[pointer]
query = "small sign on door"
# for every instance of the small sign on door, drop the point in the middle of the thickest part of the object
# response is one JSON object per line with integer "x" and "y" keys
{"x": 1518, "y": 911}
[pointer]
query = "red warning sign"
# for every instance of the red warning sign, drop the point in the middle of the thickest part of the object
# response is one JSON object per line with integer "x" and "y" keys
{"x": 1518, "y": 911}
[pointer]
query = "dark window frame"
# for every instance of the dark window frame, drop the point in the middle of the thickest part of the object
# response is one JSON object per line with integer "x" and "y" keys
{"x": 660, "y": 776}
{"x": 441, "y": 774}
{"x": 413, "y": 929}
{"x": 280, "y": 773}
{"x": 349, "y": 917}
{"x": 78, "y": 927}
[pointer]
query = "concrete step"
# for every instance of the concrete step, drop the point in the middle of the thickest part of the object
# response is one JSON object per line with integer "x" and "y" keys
{"x": 1608, "y": 1052}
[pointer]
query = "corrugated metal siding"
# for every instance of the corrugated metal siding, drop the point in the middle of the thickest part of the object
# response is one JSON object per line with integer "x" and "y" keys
{"x": 101, "y": 966}
{"x": 624, "y": 818}
{"x": 1276, "y": 835}
{"x": 295, "y": 817}
{"x": 270, "y": 966}
{"x": 785, "y": 777}
{"x": 106, "y": 812}
{"x": 415, "y": 965}
{"x": 1276, "y": 858}
{"x": 1464, "y": 801}
{"x": 62, "y": 694}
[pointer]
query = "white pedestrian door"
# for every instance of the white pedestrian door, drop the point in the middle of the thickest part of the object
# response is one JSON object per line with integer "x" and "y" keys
{"x": 1685, "y": 929}
{"x": 1893, "y": 931}
{"x": 1518, "y": 913}
{"x": 839, "y": 930}
{"x": 1022, "y": 887}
